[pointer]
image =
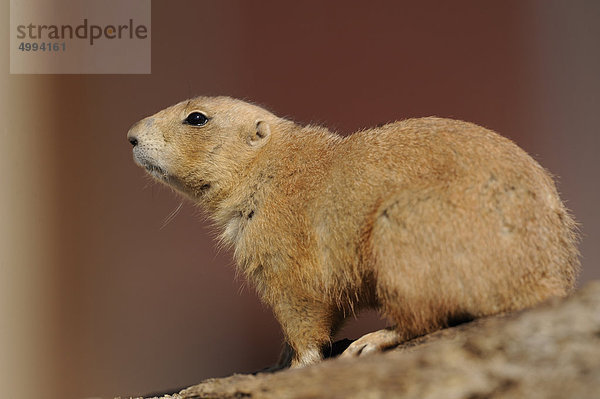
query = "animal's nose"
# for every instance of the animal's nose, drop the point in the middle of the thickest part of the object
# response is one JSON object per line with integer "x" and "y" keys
{"x": 136, "y": 132}
{"x": 132, "y": 135}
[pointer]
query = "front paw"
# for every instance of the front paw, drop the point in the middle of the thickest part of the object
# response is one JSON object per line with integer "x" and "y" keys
{"x": 374, "y": 342}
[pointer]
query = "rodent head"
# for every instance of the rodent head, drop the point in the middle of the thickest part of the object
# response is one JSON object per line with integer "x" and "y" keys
{"x": 201, "y": 146}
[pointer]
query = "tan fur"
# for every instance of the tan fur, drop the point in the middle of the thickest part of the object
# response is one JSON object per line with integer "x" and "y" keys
{"x": 430, "y": 220}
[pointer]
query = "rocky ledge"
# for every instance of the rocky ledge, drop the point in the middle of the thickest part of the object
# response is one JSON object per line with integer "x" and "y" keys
{"x": 551, "y": 351}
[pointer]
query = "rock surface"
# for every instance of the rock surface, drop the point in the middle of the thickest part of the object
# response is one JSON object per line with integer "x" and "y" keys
{"x": 551, "y": 351}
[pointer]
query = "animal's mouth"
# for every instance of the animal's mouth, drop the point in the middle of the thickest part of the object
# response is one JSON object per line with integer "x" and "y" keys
{"x": 160, "y": 173}
{"x": 153, "y": 169}
{"x": 157, "y": 172}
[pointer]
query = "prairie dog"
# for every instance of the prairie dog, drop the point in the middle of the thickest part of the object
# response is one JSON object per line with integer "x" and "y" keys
{"x": 430, "y": 220}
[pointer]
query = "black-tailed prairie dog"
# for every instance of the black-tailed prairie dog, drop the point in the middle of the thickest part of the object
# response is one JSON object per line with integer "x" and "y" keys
{"x": 431, "y": 221}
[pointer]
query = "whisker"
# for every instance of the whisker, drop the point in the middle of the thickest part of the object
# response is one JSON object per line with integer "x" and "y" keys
{"x": 171, "y": 216}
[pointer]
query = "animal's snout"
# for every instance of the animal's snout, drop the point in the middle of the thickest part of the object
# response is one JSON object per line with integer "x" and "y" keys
{"x": 132, "y": 134}
{"x": 139, "y": 131}
{"x": 132, "y": 139}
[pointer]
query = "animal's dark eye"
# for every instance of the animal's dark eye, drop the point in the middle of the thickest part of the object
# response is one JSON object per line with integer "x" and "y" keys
{"x": 196, "y": 119}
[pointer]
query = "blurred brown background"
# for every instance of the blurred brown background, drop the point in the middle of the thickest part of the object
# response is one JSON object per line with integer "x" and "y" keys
{"x": 96, "y": 299}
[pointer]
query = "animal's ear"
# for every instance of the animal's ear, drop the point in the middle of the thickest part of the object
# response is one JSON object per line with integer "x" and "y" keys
{"x": 259, "y": 135}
